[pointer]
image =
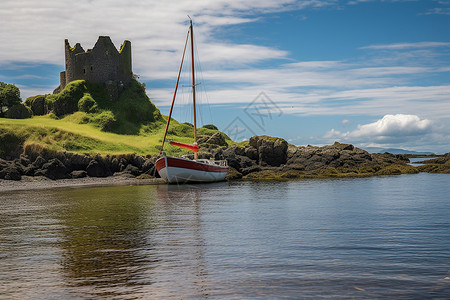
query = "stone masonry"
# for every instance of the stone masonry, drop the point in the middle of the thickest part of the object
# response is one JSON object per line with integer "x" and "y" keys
{"x": 102, "y": 64}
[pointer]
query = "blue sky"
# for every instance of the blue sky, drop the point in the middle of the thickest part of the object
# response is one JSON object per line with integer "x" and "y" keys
{"x": 367, "y": 72}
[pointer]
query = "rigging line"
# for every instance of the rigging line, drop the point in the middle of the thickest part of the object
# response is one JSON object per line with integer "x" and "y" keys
{"x": 175, "y": 93}
{"x": 203, "y": 87}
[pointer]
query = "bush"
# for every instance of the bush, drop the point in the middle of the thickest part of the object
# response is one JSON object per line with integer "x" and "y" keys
{"x": 53, "y": 116}
{"x": 37, "y": 104}
{"x": 105, "y": 120}
{"x": 210, "y": 126}
{"x": 66, "y": 102}
{"x": 18, "y": 111}
{"x": 9, "y": 96}
{"x": 87, "y": 103}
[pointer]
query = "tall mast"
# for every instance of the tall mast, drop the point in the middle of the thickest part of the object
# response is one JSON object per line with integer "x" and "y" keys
{"x": 174, "y": 93}
{"x": 193, "y": 87}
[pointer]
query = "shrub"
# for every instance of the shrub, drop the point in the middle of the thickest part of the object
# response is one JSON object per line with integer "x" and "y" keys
{"x": 87, "y": 103}
{"x": 9, "y": 96}
{"x": 105, "y": 120}
{"x": 210, "y": 126}
{"x": 37, "y": 104}
{"x": 18, "y": 111}
{"x": 66, "y": 102}
{"x": 53, "y": 116}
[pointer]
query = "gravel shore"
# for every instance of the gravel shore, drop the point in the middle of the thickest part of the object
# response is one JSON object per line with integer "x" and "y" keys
{"x": 40, "y": 182}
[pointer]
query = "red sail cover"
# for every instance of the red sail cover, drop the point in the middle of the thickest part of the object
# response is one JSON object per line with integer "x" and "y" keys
{"x": 183, "y": 145}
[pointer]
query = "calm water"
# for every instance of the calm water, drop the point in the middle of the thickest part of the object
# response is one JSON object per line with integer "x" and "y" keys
{"x": 371, "y": 238}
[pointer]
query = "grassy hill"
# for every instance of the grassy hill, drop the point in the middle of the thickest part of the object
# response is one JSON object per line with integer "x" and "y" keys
{"x": 83, "y": 119}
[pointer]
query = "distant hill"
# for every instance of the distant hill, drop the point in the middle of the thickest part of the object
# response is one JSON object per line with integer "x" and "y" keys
{"x": 395, "y": 151}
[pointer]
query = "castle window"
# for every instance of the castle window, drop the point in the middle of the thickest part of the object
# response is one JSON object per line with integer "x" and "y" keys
{"x": 84, "y": 71}
{"x": 91, "y": 68}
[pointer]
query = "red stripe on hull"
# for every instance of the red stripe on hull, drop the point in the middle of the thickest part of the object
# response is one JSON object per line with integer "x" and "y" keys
{"x": 160, "y": 164}
{"x": 188, "y": 164}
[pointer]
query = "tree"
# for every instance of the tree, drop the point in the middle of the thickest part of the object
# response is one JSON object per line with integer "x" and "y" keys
{"x": 9, "y": 96}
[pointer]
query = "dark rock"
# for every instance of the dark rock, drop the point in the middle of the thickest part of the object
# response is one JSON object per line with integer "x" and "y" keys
{"x": 39, "y": 162}
{"x": 272, "y": 151}
{"x": 201, "y": 139}
{"x": 217, "y": 139}
{"x": 19, "y": 167}
{"x": 78, "y": 174}
{"x": 133, "y": 170}
{"x": 240, "y": 162}
{"x": 24, "y": 160}
{"x": 204, "y": 155}
{"x": 53, "y": 169}
{"x": 122, "y": 164}
{"x": 137, "y": 161}
{"x": 97, "y": 169}
{"x": 233, "y": 150}
{"x": 10, "y": 173}
{"x": 3, "y": 164}
{"x": 252, "y": 153}
{"x": 75, "y": 161}
{"x": 115, "y": 167}
{"x": 30, "y": 170}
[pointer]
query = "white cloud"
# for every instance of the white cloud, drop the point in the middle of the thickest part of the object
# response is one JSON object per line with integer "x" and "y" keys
{"x": 403, "y": 46}
{"x": 391, "y": 129}
{"x": 392, "y": 126}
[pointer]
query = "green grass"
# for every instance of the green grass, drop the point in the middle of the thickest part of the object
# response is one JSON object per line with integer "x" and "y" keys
{"x": 76, "y": 134}
{"x": 130, "y": 124}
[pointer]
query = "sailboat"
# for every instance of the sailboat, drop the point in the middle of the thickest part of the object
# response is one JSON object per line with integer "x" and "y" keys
{"x": 182, "y": 169}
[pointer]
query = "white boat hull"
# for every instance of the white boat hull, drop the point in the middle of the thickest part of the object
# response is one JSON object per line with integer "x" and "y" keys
{"x": 180, "y": 170}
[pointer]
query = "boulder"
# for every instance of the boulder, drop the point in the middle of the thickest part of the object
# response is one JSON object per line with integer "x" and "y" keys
{"x": 217, "y": 139}
{"x": 133, "y": 170}
{"x": 252, "y": 153}
{"x": 97, "y": 169}
{"x": 3, "y": 164}
{"x": 115, "y": 165}
{"x": 53, "y": 169}
{"x": 240, "y": 162}
{"x": 75, "y": 161}
{"x": 24, "y": 160}
{"x": 10, "y": 173}
{"x": 39, "y": 162}
{"x": 137, "y": 161}
{"x": 272, "y": 151}
{"x": 147, "y": 165}
{"x": 29, "y": 170}
{"x": 233, "y": 150}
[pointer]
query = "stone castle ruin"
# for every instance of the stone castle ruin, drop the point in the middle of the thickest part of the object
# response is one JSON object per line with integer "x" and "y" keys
{"x": 102, "y": 64}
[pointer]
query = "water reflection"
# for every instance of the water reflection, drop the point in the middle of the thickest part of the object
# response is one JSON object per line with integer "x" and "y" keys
{"x": 106, "y": 238}
{"x": 374, "y": 238}
{"x": 135, "y": 239}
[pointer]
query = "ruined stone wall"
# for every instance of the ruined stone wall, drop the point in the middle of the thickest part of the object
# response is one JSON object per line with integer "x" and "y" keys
{"x": 102, "y": 64}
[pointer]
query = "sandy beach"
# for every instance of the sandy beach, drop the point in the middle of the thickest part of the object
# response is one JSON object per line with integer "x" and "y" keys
{"x": 40, "y": 182}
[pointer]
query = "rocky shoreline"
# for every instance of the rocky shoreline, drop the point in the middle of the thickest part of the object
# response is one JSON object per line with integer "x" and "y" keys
{"x": 264, "y": 158}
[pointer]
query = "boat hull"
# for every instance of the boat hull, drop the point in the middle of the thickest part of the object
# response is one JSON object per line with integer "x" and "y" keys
{"x": 180, "y": 170}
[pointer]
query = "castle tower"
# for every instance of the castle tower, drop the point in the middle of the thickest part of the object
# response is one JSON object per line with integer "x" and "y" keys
{"x": 102, "y": 64}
